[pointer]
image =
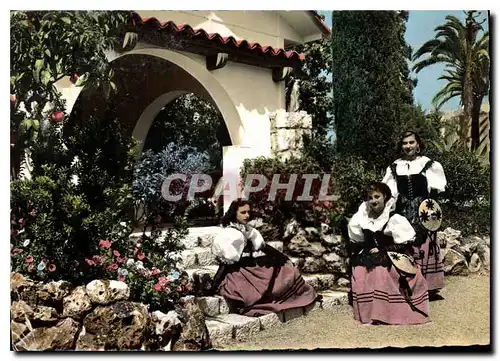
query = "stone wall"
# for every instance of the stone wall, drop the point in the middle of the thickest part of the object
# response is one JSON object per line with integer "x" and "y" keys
{"x": 98, "y": 317}
{"x": 287, "y": 130}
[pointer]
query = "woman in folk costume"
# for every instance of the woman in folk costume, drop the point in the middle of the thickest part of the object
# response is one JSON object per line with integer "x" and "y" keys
{"x": 387, "y": 285}
{"x": 412, "y": 179}
{"x": 255, "y": 278}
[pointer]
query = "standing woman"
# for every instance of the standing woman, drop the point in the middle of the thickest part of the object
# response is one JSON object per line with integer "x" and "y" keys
{"x": 255, "y": 278}
{"x": 412, "y": 179}
{"x": 387, "y": 285}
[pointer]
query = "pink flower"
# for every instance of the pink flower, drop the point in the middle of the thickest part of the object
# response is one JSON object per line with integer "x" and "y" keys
{"x": 22, "y": 222}
{"x": 157, "y": 287}
{"x": 51, "y": 267}
{"x": 96, "y": 259}
{"x": 162, "y": 281}
{"x": 104, "y": 243}
{"x": 89, "y": 262}
{"x": 112, "y": 267}
{"x": 16, "y": 251}
{"x": 121, "y": 278}
{"x": 327, "y": 204}
{"x": 32, "y": 213}
{"x": 29, "y": 259}
{"x": 103, "y": 260}
{"x": 179, "y": 289}
{"x": 140, "y": 256}
{"x": 116, "y": 253}
{"x": 120, "y": 260}
{"x": 30, "y": 267}
{"x": 155, "y": 271}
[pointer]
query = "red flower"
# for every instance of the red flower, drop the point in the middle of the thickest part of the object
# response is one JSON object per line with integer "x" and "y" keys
{"x": 157, "y": 287}
{"x": 51, "y": 267}
{"x": 121, "y": 278}
{"x": 116, "y": 253}
{"x": 162, "y": 281}
{"x": 89, "y": 262}
{"x": 29, "y": 259}
{"x": 104, "y": 243}
{"x": 140, "y": 256}
{"x": 56, "y": 117}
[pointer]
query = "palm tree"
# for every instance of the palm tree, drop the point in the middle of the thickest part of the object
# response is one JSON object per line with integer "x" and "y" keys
{"x": 467, "y": 69}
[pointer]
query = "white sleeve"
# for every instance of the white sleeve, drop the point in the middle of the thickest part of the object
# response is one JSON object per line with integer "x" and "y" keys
{"x": 228, "y": 245}
{"x": 256, "y": 239}
{"x": 391, "y": 182}
{"x": 435, "y": 177}
{"x": 355, "y": 231}
{"x": 400, "y": 229}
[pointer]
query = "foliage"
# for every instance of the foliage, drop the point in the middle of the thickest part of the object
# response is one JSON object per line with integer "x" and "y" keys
{"x": 190, "y": 121}
{"x": 464, "y": 49}
{"x": 153, "y": 168}
{"x": 45, "y": 47}
{"x": 314, "y": 84}
{"x": 370, "y": 82}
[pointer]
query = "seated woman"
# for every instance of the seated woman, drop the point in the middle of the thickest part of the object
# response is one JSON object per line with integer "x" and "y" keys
{"x": 254, "y": 278}
{"x": 387, "y": 286}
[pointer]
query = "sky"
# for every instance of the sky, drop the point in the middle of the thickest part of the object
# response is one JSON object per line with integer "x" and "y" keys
{"x": 420, "y": 28}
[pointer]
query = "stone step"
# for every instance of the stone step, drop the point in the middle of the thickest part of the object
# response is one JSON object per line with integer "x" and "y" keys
{"x": 226, "y": 327}
{"x": 202, "y": 277}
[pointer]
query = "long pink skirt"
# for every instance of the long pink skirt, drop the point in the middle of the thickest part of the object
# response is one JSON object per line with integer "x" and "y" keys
{"x": 246, "y": 286}
{"x": 432, "y": 265}
{"x": 377, "y": 297}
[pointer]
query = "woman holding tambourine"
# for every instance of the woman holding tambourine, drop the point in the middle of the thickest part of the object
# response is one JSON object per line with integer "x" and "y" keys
{"x": 415, "y": 180}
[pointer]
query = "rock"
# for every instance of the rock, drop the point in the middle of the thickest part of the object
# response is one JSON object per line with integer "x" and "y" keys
{"x": 53, "y": 292}
{"x": 269, "y": 321}
{"x": 474, "y": 263}
{"x": 77, "y": 303}
{"x": 44, "y": 313}
{"x": 324, "y": 228}
{"x": 291, "y": 229}
{"x": 256, "y": 223}
{"x": 448, "y": 238}
{"x": 325, "y": 281}
{"x": 270, "y": 232}
{"x": 317, "y": 249}
{"x": 483, "y": 252}
{"x": 105, "y": 291}
{"x": 312, "y": 232}
{"x": 221, "y": 333}
{"x": 18, "y": 281}
{"x": 188, "y": 257}
{"x": 194, "y": 335}
{"x": 455, "y": 264}
{"x": 223, "y": 306}
{"x": 343, "y": 282}
{"x": 59, "y": 337}
{"x": 208, "y": 305}
{"x": 313, "y": 265}
{"x": 21, "y": 311}
{"x": 298, "y": 261}
{"x": 335, "y": 263}
{"x": 205, "y": 257}
{"x": 298, "y": 245}
{"x": 276, "y": 244}
{"x": 243, "y": 327}
{"x": 121, "y": 326}
{"x": 331, "y": 239}
{"x": 17, "y": 330}
{"x": 23, "y": 288}
{"x": 163, "y": 328}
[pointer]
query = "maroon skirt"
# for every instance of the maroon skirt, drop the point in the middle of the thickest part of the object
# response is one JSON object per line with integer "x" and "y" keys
{"x": 432, "y": 264}
{"x": 248, "y": 289}
{"x": 377, "y": 297}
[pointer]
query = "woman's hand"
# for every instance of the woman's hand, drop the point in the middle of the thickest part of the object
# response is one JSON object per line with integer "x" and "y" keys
{"x": 374, "y": 250}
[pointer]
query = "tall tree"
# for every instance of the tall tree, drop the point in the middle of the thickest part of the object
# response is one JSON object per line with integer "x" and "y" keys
{"x": 464, "y": 49}
{"x": 315, "y": 83}
{"x": 370, "y": 81}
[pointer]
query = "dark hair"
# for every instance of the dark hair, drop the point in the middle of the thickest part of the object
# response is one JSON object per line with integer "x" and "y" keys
{"x": 230, "y": 215}
{"x": 409, "y": 133}
{"x": 379, "y": 187}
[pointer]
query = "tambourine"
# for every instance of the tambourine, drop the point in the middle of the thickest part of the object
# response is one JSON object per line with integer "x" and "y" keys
{"x": 403, "y": 262}
{"x": 430, "y": 215}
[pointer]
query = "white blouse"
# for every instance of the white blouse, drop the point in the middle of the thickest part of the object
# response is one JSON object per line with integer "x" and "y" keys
{"x": 435, "y": 174}
{"x": 229, "y": 243}
{"x": 398, "y": 226}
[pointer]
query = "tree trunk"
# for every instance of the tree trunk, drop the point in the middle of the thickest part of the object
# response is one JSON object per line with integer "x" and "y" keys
{"x": 475, "y": 113}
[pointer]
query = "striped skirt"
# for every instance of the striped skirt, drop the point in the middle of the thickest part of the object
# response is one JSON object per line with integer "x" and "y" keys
{"x": 432, "y": 264}
{"x": 377, "y": 297}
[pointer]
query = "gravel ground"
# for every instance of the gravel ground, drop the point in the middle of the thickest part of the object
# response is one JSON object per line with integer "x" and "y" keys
{"x": 462, "y": 318}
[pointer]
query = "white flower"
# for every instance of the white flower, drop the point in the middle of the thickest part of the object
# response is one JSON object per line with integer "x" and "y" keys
{"x": 139, "y": 265}
{"x": 26, "y": 243}
{"x": 76, "y": 161}
{"x": 21, "y": 231}
{"x": 122, "y": 272}
{"x": 41, "y": 266}
{"x": 130, "y": 262}
{"x": 123, "y": 224}
{"x": 74, "y": 179}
